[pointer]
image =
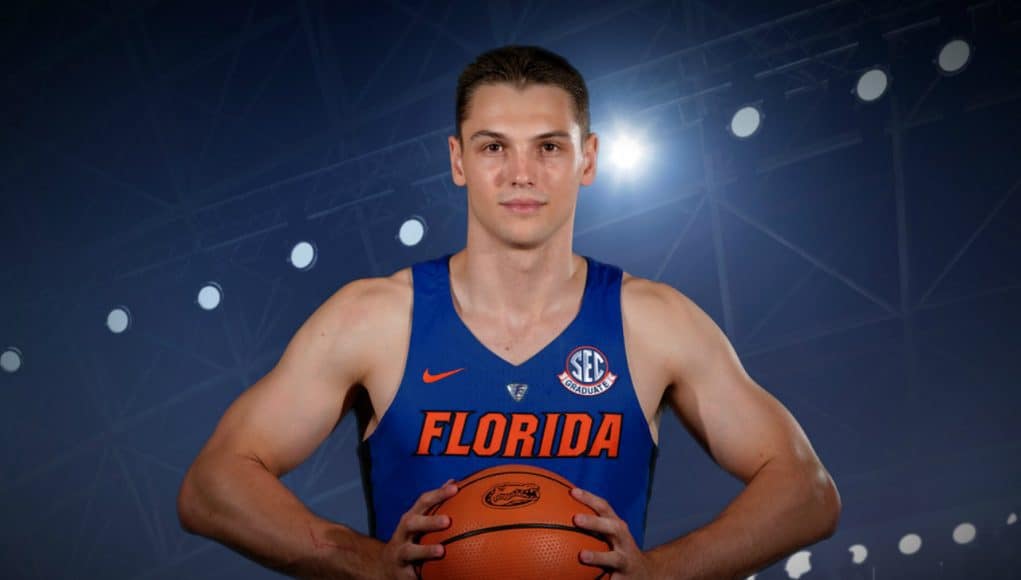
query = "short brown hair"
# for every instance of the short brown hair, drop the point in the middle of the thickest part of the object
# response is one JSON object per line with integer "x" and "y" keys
{"x": 521, "y": 66}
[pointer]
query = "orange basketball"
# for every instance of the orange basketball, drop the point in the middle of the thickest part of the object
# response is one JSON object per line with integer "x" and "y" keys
{"x": 512, "y": 521}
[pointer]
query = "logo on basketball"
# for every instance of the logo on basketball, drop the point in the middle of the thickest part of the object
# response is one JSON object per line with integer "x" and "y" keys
{"x": 587, "y": 372}
{"x": 511, "y": 495}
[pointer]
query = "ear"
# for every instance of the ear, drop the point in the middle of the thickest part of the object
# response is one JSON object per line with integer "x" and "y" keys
{"x": 590, "y": 152}
{"x": 456, "y": 161}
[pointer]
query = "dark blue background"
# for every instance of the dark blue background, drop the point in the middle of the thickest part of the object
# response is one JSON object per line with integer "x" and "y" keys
{"x": 864, "y": 260}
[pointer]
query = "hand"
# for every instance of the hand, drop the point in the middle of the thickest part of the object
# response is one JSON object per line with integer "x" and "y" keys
{"x": 401, "y": 553}
{"x": 625, "y": 559}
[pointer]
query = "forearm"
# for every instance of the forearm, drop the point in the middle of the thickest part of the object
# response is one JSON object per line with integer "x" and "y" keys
{"x": 245, "y": 507}
{"x": 778, "y": 512}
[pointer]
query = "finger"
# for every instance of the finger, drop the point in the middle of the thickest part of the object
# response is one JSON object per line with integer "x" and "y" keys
{"x": 434, "y": 496}
{"x": 409, "y": 552}
{"x": 595, "y": 502}
{"x": 611, "y": 527}
{"x": 613, "y": 560}
{"x": 415, "y": 523}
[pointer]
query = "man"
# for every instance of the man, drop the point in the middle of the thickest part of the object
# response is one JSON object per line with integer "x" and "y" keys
{"x": 513, "y": 350}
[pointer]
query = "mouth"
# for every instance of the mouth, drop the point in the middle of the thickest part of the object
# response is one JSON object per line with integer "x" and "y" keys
{"x": 522, "y": 205}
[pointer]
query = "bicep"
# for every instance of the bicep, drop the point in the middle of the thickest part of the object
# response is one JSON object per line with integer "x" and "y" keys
{"x": 740, "y": 424}
{"x": 285, "y": 415}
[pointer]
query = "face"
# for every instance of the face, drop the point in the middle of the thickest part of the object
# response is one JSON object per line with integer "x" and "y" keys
{"x": 522, "y": 161}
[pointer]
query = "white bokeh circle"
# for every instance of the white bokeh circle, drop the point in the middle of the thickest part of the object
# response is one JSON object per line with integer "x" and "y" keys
{"x": 411, "y": 231}
{"x": 10, "y": 359}
{"x": 872, "y": 85}
{"x": 910, "y": 544}
{"x": 210, "y": 296}
{"x": 964, "y": 533}
{"x": 303, "y": 255}
{"x": 118, "y": 319}
{"x": 746, "y": 122}
{"x": 954, "y": 56}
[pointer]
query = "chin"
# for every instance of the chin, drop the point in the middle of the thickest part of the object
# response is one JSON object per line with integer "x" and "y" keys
{"x": 533, "y": 235}
{"x": 524, "y": 242}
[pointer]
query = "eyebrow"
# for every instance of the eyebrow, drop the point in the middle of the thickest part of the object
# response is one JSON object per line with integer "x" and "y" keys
{"x": 496, "y": 135}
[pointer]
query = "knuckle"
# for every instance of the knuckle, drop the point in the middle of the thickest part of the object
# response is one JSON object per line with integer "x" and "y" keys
{"x": 406, "y": 553}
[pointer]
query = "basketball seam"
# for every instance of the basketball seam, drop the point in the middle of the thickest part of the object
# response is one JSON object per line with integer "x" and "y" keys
{"x": 602, "y": 573}
{"x": 470, "y": 533}
{"x": 500, "y": 528}
{"x": 553, "y": 479}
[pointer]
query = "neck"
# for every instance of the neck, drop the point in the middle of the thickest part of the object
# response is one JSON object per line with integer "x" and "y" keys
{"x": 515, "y": 284}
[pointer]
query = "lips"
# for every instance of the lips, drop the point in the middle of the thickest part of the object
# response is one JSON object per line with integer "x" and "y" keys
{"x": 523, "y": 203}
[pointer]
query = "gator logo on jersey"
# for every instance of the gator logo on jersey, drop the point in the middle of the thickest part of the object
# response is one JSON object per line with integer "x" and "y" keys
{"x": 511, "y": 495}
{"x": 587, "y": 372}
{"x": 519, "y": 434}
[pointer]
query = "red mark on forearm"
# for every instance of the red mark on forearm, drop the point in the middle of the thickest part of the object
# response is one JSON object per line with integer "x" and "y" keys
{"x": 320, "y": 544}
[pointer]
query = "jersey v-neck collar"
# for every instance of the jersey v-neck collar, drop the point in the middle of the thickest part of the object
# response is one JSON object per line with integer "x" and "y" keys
{"x": 445, "y": 287}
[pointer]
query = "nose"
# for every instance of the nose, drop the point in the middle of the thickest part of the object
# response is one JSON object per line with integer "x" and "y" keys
{"x": 521, "y": 170}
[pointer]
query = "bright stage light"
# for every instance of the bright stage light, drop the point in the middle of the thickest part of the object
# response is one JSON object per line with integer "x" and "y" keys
{"x": 872, "y": 85}
{"x": 745, "y": 122}
{"x": 626, "y": 152}
{"x": 954, "y": 56}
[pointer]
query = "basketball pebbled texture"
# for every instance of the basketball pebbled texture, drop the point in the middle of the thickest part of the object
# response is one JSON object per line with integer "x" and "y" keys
{"x": 512, "y": 522}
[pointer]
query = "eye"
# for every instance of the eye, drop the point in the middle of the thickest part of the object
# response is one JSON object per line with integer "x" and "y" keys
{"x": 492, "y": 147}
{"x": 550, "y": 147}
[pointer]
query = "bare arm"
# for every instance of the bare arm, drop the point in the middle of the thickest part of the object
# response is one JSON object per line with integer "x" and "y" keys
{"x": 232, "y": 492}
{"x": 242, "y": 505}
{"x": 789, "y": 500}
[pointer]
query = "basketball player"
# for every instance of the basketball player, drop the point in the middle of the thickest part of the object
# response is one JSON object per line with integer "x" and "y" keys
{"x": 512, "y": 350}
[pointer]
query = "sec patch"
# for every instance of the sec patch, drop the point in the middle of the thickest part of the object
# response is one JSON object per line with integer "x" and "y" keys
{"x": 587, "y": 372}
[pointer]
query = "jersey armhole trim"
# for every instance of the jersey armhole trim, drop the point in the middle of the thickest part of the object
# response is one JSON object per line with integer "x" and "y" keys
{"x": 404, "y": 371}
{"x": 627, "y": 359}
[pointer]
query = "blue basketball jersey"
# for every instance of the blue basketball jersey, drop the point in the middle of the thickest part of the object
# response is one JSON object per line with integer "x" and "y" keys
{"x": 571, "y": 408}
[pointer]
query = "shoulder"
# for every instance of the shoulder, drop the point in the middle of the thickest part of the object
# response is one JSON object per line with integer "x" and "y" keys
{"x": 365, "y": 309}
{"x": 359, "y": 319}
{"x": 670, "y": 324}
{"x": 651, "y": 300}
{"x": 368, "y": 302}
{"x": 661, "y": 319}
{"x": 376, "y": 292}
